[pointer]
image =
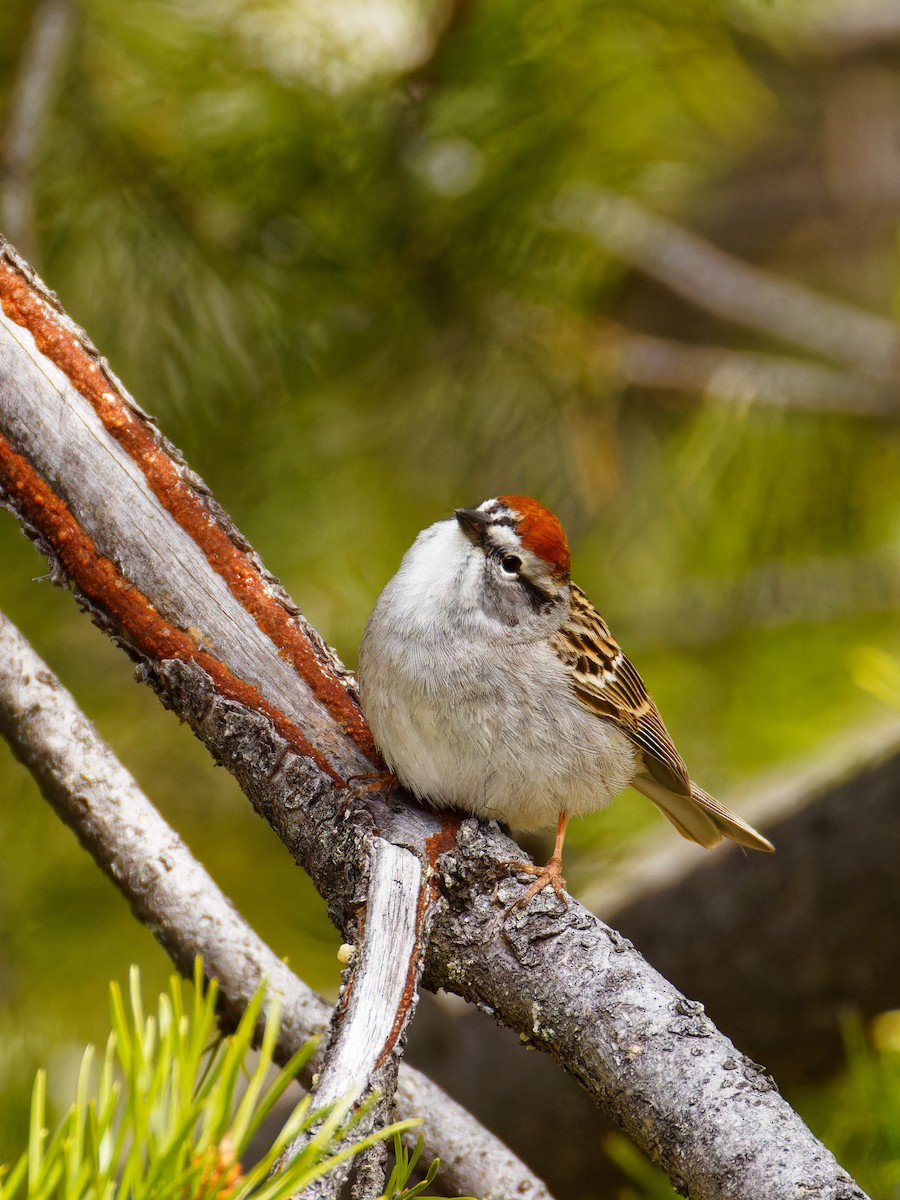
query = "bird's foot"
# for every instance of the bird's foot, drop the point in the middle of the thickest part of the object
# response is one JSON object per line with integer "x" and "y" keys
{"x": 373, "y": 781}
{"x": 549, "y": 875}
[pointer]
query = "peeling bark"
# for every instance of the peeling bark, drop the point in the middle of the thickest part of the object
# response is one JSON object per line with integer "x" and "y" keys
{"x": 377, "y": 1001}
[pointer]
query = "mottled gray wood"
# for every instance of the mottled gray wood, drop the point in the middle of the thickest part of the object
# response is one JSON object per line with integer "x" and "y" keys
{"x": 652, "y": 1058}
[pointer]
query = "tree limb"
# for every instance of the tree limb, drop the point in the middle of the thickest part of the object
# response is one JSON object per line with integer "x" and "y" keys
{"x": 163, "y": 571}
{"x": 377, "y": 1000}
{"x": 179, "y": 902}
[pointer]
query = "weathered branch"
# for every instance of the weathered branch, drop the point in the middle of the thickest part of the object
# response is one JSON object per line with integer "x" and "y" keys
{"x": 731, "y": 289}
{"x": 179, "y": 902}
{"x": 162, "y": 570}
{"x": 778, "y": 969}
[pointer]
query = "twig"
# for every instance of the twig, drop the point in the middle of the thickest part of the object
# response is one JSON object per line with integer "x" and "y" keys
{"x": 29, "y": 104}
{"x": 816, "y": 589}
{"x": 175, "y": 897}
{"x": 728, "y": 288}
{"x": 839, "y": 27}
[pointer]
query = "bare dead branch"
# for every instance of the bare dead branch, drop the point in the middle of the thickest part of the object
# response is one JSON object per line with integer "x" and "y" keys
{"x": 175, "y": 897}
{"x": 728, "y": 288}
{"x": 167, "y": 888}
{"x": 162, "y": 570}
{"x": 32, "y": 97}
{"x": 376, "y": 990}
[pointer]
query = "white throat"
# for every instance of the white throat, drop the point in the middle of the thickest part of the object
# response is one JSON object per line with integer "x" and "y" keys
{"x": 437, "y": 581}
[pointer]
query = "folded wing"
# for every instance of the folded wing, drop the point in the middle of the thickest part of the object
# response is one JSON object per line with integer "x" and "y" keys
{"x": 606, "y": 682}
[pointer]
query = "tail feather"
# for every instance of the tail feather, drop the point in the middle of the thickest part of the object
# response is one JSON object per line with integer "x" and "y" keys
{"x": 699, "y": 817}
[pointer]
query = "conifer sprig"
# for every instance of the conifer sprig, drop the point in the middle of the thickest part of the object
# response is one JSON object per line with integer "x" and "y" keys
{"x": 169, "y": 1111}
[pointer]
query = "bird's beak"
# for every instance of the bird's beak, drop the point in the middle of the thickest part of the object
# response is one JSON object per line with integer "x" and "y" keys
{"x": 473, "y": 524}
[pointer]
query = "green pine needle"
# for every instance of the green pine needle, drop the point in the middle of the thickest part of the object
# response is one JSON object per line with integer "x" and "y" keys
{"x": 169, "y": 1110}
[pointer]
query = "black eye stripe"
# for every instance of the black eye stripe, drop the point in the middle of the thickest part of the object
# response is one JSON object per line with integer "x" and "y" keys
{"x": 538, "y": 598}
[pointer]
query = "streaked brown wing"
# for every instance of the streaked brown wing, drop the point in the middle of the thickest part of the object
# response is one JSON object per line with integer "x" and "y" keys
{"x": 606, "y": 682}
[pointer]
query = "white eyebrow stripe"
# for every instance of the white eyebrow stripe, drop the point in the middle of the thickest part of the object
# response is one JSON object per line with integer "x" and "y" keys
{"x": 502, "y": 535}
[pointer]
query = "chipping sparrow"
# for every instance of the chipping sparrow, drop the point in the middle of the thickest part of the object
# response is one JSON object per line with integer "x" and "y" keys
{"x": 492, "y": 685}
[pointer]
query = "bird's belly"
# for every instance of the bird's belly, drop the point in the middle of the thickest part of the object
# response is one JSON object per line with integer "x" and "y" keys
{"x": 498, "y": 741}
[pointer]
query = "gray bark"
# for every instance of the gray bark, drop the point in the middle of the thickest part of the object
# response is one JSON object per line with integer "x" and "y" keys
{"x": 714, "y": 927}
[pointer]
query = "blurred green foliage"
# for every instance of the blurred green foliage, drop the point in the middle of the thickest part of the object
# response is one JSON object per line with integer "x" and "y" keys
{"x": 319, "y": 249}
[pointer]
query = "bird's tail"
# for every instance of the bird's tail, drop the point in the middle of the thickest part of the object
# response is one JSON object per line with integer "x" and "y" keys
{"x": 699, "y": 817}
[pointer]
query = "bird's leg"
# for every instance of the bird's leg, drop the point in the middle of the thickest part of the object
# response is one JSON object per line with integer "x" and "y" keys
{"x": 549, "y": 875}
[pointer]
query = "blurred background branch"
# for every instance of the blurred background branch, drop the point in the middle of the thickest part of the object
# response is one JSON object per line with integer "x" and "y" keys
{"x": 833, "y": 26}
{"x": 739, "y": 377}
{"x": 730, "y": 289}
{"x": 33, "y": 94}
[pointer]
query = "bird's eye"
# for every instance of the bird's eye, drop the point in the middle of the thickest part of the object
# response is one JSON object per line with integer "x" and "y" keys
{"x": 511, "y": 564}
